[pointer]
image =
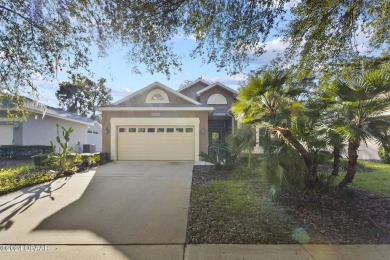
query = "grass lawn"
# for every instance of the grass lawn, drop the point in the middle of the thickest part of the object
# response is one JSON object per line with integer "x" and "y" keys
{"x": 16, "y": 177}
{"x": 238, "y": 207}
{"x": 375, "y": 180}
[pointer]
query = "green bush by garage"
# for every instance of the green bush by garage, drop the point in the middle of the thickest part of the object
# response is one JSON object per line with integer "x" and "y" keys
{"x": 82, "y": 159}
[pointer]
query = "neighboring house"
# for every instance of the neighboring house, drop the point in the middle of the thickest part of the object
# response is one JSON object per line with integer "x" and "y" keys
{"x": 40, "y": 127}
{"x": 158, "y": 123}
{"x": 370, "y": 150}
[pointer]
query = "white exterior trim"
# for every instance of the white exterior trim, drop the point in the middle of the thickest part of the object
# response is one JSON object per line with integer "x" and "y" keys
{"x": 216, "y": 99}
{"x": 115, "y": 122}
{"x": 64, "y": 118}
{"x": 155, "y": 109}
{"x": 216, "y": 85}
{"x": 48, "y": 114}
{"x": 159, "y": 85}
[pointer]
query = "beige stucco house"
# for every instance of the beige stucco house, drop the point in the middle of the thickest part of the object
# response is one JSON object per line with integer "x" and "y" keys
{"x": 159, "y": 123}
{"x": 39, "y": 128}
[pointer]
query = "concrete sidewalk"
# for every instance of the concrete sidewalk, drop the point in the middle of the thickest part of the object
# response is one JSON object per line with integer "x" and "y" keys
{"x": 290, "y": 252}
{"x": 207, "y": 252}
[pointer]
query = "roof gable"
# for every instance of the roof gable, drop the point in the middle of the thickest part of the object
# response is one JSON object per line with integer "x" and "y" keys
{"x": 194, "y": 83}
{"x": 156, "y": 85}
{"x": 217, "y": 84}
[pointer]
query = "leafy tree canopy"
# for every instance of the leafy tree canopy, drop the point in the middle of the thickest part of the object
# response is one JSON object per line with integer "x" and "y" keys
{"x": 324, "y": 35}
{"x": 82, "y": 95}
{"x": 44, "y": 37}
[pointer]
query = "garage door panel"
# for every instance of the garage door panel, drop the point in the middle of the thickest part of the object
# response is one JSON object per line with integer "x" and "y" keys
{"x": 154, "y": 145}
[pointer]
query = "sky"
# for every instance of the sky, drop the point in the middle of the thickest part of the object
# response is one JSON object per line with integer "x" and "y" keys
{"x": 122, "y": 81}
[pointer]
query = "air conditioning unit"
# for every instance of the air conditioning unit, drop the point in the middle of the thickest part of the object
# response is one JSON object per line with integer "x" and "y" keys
{"x": 89, "y": 148}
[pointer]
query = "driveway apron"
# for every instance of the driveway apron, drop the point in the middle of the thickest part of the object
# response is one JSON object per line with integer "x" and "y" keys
{"x": 122, "y": 203}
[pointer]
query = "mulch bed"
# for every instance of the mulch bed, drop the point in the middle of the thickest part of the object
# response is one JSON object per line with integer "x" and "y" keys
{"x": 349, "y": 217}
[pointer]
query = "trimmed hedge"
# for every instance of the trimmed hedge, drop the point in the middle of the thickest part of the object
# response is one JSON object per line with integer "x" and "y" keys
{"x": 23, "y": 151}
{"x": 86, "y": 159}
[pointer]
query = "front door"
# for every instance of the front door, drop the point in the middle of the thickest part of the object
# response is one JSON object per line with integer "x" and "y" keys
{"x": 218, "y": 130}
{"x": 215, "y": 137}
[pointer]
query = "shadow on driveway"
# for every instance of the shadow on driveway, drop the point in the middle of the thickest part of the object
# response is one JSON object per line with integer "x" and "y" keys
{"x": 24, "y": 201}
{"x": 128, "y": 203}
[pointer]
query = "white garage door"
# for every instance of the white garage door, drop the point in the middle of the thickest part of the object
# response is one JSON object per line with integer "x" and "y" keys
{"x": 156, "y": 142}
{"x": 6, "y": 135}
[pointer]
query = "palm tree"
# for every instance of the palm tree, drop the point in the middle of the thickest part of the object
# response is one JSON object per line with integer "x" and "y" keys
{"x": 364, "y": 99}
{"x": 331, "y": 112}
{"x": 269, "y": 102}
{"x": 242, "y": 139}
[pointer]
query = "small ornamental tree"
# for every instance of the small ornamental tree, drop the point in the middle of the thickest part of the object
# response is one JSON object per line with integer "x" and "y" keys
{"x": 61, "y": 157}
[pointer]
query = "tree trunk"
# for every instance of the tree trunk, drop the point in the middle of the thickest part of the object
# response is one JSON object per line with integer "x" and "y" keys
{"x": 289, "y": 137}
{"x": 315, "y": 163}
{"x": 353, "y": 147}
{"x": 336, "y": 160}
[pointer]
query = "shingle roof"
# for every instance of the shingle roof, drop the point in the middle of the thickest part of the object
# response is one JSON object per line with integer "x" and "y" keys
{"x": 193, "y": 83}
{"x": 221, "y": 111}
{"x": 156, "y": 85}
{"x": 40, "y": 108}
{"x": 217, "y": 84}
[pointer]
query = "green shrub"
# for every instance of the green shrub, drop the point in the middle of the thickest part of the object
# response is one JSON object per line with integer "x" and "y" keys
{"x": 23, "y": 152}
{"x": 92, "y": 159}
{"x": 87, "y": 159}
{"x": 101, "y": 158}
{"x": 282, "y": 167}
{"x": 218, "y": 155}
{"x": 384, "y": 155}
{"x": 39, "y": 159}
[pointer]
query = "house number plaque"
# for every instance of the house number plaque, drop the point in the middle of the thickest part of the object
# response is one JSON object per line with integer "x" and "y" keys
{"x": 155, "y": 114}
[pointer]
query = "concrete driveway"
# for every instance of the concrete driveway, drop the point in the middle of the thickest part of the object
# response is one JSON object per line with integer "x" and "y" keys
{"x": 122, "y": 203}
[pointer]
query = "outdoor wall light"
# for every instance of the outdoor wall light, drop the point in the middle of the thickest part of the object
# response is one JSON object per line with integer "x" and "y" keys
{"x": 107, "y": 130}
{"x": 202, "y": 131}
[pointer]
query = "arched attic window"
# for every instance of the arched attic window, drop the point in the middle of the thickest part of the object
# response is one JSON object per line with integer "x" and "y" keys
{"x": 157, "y": 96}
{"x": 217, "y": 99}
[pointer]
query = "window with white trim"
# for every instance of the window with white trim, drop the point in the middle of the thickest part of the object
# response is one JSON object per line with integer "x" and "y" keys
{"x": 157, "y": 96}
{"x": 217, "y": 99}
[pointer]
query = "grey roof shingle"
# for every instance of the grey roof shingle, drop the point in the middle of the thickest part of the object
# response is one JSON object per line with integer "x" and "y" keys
{"x": 34, "y": 106}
